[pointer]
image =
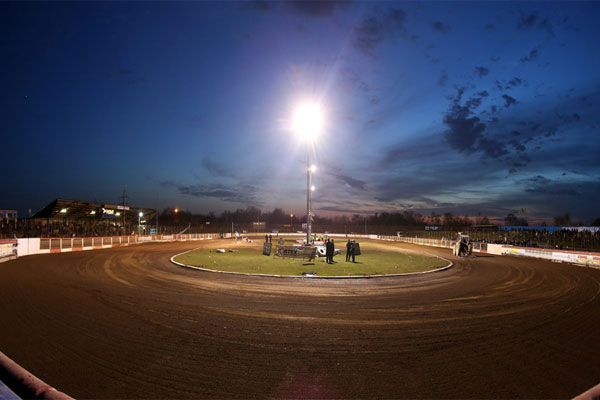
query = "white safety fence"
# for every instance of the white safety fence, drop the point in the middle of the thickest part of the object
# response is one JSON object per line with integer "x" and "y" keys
{"x": 30, "y": 246}
{"x": 576, "y": 257}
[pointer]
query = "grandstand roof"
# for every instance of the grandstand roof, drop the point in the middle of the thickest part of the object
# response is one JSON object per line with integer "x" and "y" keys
{"x": 76, "y": 210}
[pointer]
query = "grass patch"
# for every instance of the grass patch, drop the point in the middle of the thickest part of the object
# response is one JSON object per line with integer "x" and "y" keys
{"x": 248, "y": 258}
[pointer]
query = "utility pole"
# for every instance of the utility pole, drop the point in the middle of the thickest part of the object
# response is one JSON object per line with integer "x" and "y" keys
{"x": 124, "y": 202}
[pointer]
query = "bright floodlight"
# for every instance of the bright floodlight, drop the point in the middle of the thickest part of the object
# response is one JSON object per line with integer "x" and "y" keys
{"x": 141, "y": 214}
{"x": 308, "y": 121}
{"x": 313, "y": 168}
{"x": 312, "y": 188}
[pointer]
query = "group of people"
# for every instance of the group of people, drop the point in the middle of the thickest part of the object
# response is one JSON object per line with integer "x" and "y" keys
{"x": 351, "y": 250}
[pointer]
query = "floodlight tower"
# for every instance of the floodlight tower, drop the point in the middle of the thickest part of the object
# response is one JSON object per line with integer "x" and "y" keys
{"x": 307, "y": 124}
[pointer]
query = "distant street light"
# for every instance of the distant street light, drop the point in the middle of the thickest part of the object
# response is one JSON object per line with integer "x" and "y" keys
{"x": 291, "y": 222}
{"x": 307, "y": 124}
{"x": 140, "y": 222}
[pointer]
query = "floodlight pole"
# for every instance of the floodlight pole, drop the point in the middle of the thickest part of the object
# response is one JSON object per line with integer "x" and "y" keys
{"x": 308, "y": 193}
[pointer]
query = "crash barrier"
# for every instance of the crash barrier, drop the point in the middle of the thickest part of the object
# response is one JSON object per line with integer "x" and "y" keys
{"x": 8, "y": 249}
{"x": 24, "y": 384}
{"x": 32, "y": 246}
{"x": 574, "y": 257}
{"x": 591, "y": 394}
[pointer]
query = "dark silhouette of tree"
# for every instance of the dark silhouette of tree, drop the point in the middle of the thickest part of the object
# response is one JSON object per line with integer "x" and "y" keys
{"x": 562, "y": 220}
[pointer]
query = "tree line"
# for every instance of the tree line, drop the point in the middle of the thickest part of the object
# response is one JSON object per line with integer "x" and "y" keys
{"x": 278, "y": 216}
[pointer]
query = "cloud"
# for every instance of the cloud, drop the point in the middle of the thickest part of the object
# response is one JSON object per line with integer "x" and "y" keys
{"x": 508, "y": 101}
{"x": 542, "y": 185}
{"x": 515, "y": 82}
{"x": 243, "y": 194}
{"x": 216, "y": 169}
{"x": 473, "y": 103}
{"x": 494, "y": 59}
{"x": 482, "y": 71}
{"x": 443, "y": 80}
{"x": 352, "y": 182}
{"x": 315, "y": 9}
{"x": 369, "y": 34}
{"x": 491, "y": 148}
{"x": 441, "y": 27}
{"x": 545, "y": 25}
{"x": 533, "y": 21}
{"x": 517, "y": 145}
{"x": 464, "y": 130}
{"x": 488, "y": 27}
{"x": 533, "y": 55}
{"x": 259, "y": 5}
{"x": 373, "y": 29}
{"x": 527, "y": 21}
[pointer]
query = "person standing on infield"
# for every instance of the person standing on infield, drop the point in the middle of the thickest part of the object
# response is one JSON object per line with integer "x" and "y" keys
{"x": 332, "y": 253}
{"x": 348, "y": 250}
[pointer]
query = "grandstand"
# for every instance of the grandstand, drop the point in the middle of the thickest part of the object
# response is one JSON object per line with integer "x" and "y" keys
{"x": 91, "y": 214}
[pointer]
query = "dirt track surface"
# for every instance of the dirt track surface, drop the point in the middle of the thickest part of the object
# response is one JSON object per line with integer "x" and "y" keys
{"x": 127, "y": 323}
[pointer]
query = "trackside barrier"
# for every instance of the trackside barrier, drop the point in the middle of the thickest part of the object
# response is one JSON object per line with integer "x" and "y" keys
{"x": 32, "y": 246}
{"x": 574, "y": 257}
{"x": 592, "y": 394}
{"x": 24, "y": 384}
{"x": 8, "y": 249}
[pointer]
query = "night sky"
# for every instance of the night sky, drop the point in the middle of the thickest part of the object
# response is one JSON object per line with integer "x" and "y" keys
{"x": 470, "y": 108}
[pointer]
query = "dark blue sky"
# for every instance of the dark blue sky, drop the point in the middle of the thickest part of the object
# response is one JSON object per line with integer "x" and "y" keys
{"x": 473, "y": 108}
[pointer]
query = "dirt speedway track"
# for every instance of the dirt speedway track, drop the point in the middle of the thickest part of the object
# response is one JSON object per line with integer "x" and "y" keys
{"x": 127, "y": 323}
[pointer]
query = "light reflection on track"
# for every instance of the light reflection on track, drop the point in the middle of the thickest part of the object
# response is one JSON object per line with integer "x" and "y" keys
{"x": 127, "y": 323}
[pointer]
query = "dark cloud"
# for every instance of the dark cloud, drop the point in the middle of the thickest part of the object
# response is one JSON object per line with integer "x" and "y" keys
{"x": 491, "y": 148}
{"x": 508, "y": 101}
{"x": 259, "y": 5}
{"x": 464, "y": 130}
{"x": 515, "y": 81}
{"x": 545, "y": 25}
{"x": 544, "y": 186}
{"x": 533, "y": 55}
{"x": 482, "y": 71}
{"x": 374, "y": 29}
{"x": 443, "y": 80}
{"x": 483, "y": 93}
{"x": 495, "y": 59}
{"x": 315, "y": 9}
{"x": 441, "y": 27}
{"x": 369, "y": 34}
{"x": 517, "y": 145}
{"x": 527, "y": 21}
{"x": 244, "y": 194}
{"x": 352, "y": 182}
{"x": 569, "y": 118}
{"x": 217, "y": 170}
{"x": 533, "y": 21}
{"x": 473, "y": 103}
{"x": 488, "y": 27}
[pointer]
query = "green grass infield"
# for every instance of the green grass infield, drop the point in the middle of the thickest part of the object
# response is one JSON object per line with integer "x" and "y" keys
{"x": 376, "y": 259}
